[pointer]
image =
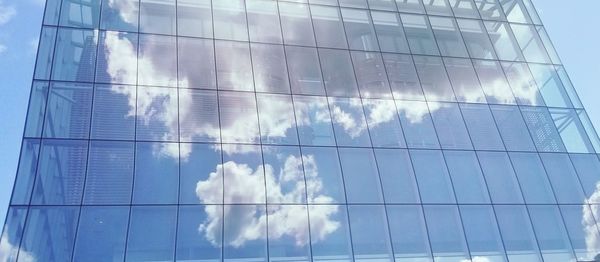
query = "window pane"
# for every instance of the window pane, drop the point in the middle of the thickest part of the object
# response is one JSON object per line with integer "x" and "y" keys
{"x": 417, "y": 124}
{"x": 566, "y": 81}
{"x": 588, "y": 169}
{"x": 448, "y": 119}
{"x": 199, "y": 233}
{"x": 60, "y": 173}
{"x": 530, "y": 42}
{"x": 243, "y": 241}
{"x": 117, "y": 58}
{"x": 156, "y": 116}
{"x": 548, "y": 45}
{"x": 409, "y": 233}
{"x": 338, "y": 73}
{"x": 359, "y": 29}
{"x": 571, "y": 130}
{"x": 370, "y": 236}
{"x": 45, "y": 52}
{"x": 523, "y": 84}
{"x": 384, "y": 126}
{"x": 68, "y": 110}
{"x": 581, "y": 227}
{"x": 411, "y": 6}
{"x": 448, "y": 38}
{"x": 500, "y": 177}
{"x": 151, "y": 233}
{"x": 361, "y": 177}
{"x": 200, "y": 170}
{"x": 354, "y": 3}
{"x": 154, "y": 48}
{"x": 230, "y": 20}
{"x": 403, "y": 78}
{"x": 551, "y": 233}
{"x": 322, "y": 166}
{"x": 464, "y": 80}
{"x": 270, "y": 70}
{"x": 239, "y": 117}
{"x": 284, "y": 174}
{"x": 490, "y": 9}
{"x": 109, "y": 173}
{"x": 371, "y": 75}
{"x": 77, "y": 13}
{"x": 419, "y": 34}
{"x": 314, "y": 121}
{"x": 234, "y": 68}
{"x": 432, "y": 176}
{"x": 196, "y": 63}
{"x": 51, "y": 12}
{"x": 277, "y": 120}
{"x": 481, "y": 126}
{"x": 550, "y": 85}
{"x": 194, "y": 18}
{"x": 382, "y": 5}
{"x": 434, "y": 78}
{"x": 468, "y": 181}
{"x": 438, "y": 7}
{"x": 532, "y": 177}
{"x": 464, "y": 8}
{"x": 263, "y": 21}
{"x": 26, "y": 172}
{"x": 446, "y": 233}
{"x": 102, "y": 233}
{"x": 397, "y": 176}
{"x": 329, "y": 244}
{"x": 515, "y": 11}
{"x": 120, "y": 15}
{"x": 244, "y": 176}
{"x": 13, "y": 233}
{"x": 49, "y": 234}
{"x": 305, "y": 70}
{"x": 198, "y": 116}
{"x": 156, "y": 173}
{"x": 111, "y": 117}
{"x": 158, "y": 17}
{"x": 349, "y": 122}
{"x": 328, "y": 26}
{"x": 476, "y": 38}
{"x": 75, "y": 55}
{"x": 37, "y": 109}
{"x": 542, "y": 129}
{"x": 296, "y": 24}
{"x": 517, "y": 233}
{"x": 512, "y": 128}
{"x": 493, "y": 81}
{"x": 504, "y": 41}
{"x": 389, "y": 32}
{"x": 482, "y": 233}
{"x": 288, "y": 238}
{"x": 564, "y": 178}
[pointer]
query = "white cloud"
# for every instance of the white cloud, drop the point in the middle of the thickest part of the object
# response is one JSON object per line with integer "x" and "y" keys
{"x": 590, "y": 226}
{"x": 6, "y": 13}
{"x": 8, "y": 251}
{"x": 2, "y": 48}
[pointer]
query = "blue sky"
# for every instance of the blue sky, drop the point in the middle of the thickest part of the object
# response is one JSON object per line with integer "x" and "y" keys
{"x": 572, "y": 27}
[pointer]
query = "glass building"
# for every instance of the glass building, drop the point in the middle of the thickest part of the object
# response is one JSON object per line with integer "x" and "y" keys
{"x": 302, "y": 130}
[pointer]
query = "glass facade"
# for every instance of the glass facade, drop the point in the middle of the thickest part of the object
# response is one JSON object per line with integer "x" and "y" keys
{"x": 302, "y": 130}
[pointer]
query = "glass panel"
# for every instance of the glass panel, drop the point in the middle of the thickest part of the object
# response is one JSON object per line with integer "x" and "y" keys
{"x": 338, "y": 73}
{"x": 517, "y": 233}
{"x": 397, "y": 176}
{"x": 244, "y": 233}
{"x": 328, "y": 26}
{"x": 370, "y": 236}
{"x": 371, "y": 75}
{"x": 156, "y": 116}
{"x": 234, "y": 67}
{"x": 277, "y": 121}
{"x": 410, "y": 6}
{"x": 548, "y": 45}
{"x": 464, "y": 80}
{"x": 409, "y": 233}
{"x": 288, "y": 238}
{"x": 199, "y": 233}
{"x": 469, "y": 184}
{"x": 102, "y": 234}
{"x": 522, "y": 83}
{"x": 354, "y": 3}
{"x": 296, "y": 24}
{"x": 305, "y": 70}
{"x": 581, "y": 228}
{"x": 542, "y": 129}
{"x": 482, "y": 233}
{"x": 117, "y": 58}
{"x": 361, "y": 176}
{"x": 111, "y": 114}
{"x": 270, "y": 71}
{"x": 564, "y": 178}
{"x": 194, "y": 18}
{"x": 157, "y": 61}
{"x": 434, "y": 79}
{"x": 419, "y": 34}
{"x": 464, "y": 8}
{"x": 416, "y": 122}
{"x": 438, "y": 7}
{"x": 244, "y": 176}
{"x": 323, "y": 175}
{"x": 12, "y": 235}
{"x": 158, "y": 17}
{"x": 78, "y": 13}
{"x": 476, "y": 38}
{"x": 52, "y": 11}
{"x": 566, "y": 81}
{"x": 349, "y": 122}
{"x": 68, "y": 110}
{"x": 490, "y": 9}
{"x": 200, "y": 170}
{"x": 156, "y": 244}
{"x": 532, "y": 177}
{"x": 239, "y": 117}
{"x": 49, "y": 234}
{"x": 432, "y": 176}
{"x": 330, "y": 233}
{"x": 389, "y": 32}
{"x": 589, "y": 128}
{"x": 230, "y": 20}
{"x": 515, "y": 11}
{"x": 493, "y": 81}
{"x": 37, "y": 108}
{"x": 314, "y": 121}
{"x": 550, "y": 85}
{"x": 403, "y": 77}
{"x": 359, "y": 29}
{"x": 196, "y": 63}
{"x": 156, "y": 173}
{"x": 382, "y": 5}
{"x": 109, "y": 173}
{"x": 384, "y": 126}
{"x": 60, "y": 173}
{"x": 504, "y": 41}
{"x": 446, "y": 233}
{"x": 75, "y": 55}
{"x": 551, "y": 233}
{"x": 531, "y": 44}
{"x": 45, "y": 53}
{"x": 120, "y": 15}
{"x": 198, "y": 116}
{"x": 448, "y": 38}
{"x": 263, "y": 21}
{"x": 284, "y": 175}
{"x": 481, "y": 126}
{"x": 588, "y": 169}
{"x": 26, "y": 172}
{"x": 512, "y": 128}
{"x": 448, "y": 119}
{"x": 500, "y": 177}
{"x": 571, "y": 130}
